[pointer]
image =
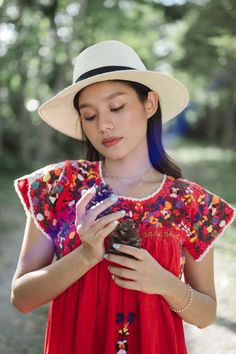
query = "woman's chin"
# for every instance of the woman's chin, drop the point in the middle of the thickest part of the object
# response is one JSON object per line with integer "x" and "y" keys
{"x": 113, "y": 154}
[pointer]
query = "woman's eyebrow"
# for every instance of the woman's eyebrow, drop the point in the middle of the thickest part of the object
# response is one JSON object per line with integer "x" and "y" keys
{"x": 107, "y": 98}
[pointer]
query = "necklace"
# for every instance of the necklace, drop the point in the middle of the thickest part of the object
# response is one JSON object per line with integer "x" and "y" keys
{"x": 107, "y": 174}
{"x": 136, "y": 178}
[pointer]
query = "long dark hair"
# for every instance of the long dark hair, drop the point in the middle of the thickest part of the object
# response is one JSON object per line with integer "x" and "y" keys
{"x": 159, "y": 158}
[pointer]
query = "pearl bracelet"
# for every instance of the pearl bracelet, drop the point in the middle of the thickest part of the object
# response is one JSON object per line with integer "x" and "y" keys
{"x": 188, "y": 304}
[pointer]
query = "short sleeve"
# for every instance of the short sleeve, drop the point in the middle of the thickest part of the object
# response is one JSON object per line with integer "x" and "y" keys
{"x": 38, "y": 193}
{"x": 209, "y": 215}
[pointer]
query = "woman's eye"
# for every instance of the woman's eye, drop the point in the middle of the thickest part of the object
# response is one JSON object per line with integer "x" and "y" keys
{"x": 89, "y": 118}
{"x": 117, "y": 109}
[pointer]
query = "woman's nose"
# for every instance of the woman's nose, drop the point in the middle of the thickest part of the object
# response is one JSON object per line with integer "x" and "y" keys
{"x": 105, "y": 121}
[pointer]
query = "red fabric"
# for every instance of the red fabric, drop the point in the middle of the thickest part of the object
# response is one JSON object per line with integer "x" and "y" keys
{"x": 23, "y": 187}
{"x": 82, "y": 320}
{"x": 94, "y": 315}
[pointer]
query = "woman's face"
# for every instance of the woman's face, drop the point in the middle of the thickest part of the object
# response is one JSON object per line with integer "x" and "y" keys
{"x": 113, "y": 118}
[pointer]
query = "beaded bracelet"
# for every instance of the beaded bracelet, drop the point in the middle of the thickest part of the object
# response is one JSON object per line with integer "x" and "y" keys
{"x": 188, "y": 304}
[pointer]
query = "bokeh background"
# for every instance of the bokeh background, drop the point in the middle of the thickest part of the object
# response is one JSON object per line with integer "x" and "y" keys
{"x": 194, "y": 40}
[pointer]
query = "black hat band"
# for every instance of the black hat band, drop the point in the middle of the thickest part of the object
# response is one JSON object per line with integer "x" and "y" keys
{"x": 102, "y": 70}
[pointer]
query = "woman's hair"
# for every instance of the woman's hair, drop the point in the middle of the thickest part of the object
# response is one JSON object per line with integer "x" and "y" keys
{"x": 159, "y": 158}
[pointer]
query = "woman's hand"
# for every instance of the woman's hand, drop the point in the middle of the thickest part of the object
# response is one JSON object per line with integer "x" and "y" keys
{"x": 92, "y": 232}
{"x": 143, "y": 273}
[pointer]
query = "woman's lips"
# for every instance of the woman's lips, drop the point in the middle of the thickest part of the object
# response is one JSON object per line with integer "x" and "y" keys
{"x": 111, "y": 141}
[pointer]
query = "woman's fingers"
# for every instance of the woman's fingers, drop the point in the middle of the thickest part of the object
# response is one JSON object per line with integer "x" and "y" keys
{"x": 84, "y": 200}
{"x": 123, "y": 272}
{"x": 122, "y": 260}
{"x": 85, "y": 219}
{"x": 105, "y": 231}
{"x": 100, "y": 207}
{"x": 95, "y": 230}
{"x": 103, "y": 221}
{"x": 138, "y": 253}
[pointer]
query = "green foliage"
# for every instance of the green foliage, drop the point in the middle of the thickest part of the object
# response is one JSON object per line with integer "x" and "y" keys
{"x": 40, "y": 39}
{"x": 209, "y": 54}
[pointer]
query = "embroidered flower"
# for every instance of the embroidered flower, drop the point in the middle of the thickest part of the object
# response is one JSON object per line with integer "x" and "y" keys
{"x": 174, "y": 192}
{"x": 39, "y": 217}
{"x": 46, "y": 177}
{"x": 215, "y": 200}
{"x": 201, "y": 199}
{"x": 222, "y": 223}
{"x": 210, "y": 228}
{"x": 168, "y": 205}
{"x": 189, "y": 190}
{"x": 123, "y": 332}
{"x": 187, "y": 199}
{"x": 72, "y": 235}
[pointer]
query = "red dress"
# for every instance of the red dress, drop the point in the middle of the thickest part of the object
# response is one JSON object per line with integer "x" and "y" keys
{"x": 94, "y": 315}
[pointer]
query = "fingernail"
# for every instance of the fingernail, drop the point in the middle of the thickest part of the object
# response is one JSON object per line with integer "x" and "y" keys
{"x": 114, "y": 198}
{"x": 105, "y": 256}
{"x": 116, "y": 246}
{"x": 93, "y": 189}
{"x": 113, "y": 277}
{"x": 122, "y": 212}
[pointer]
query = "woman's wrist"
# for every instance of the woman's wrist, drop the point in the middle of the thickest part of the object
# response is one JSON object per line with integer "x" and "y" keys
{"x": 83, "y": 259}
{"x": 169, "y": 280}
{"x": 178, "y": 294}
{"x": 187, "y": 302}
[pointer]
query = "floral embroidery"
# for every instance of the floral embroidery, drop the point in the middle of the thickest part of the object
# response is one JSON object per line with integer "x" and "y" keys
{"x": 180, "y": 206}
{"x": 123, "y": 332}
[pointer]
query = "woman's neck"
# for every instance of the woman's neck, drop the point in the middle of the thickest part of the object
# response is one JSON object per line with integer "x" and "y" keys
{"x": 134, "y": 164}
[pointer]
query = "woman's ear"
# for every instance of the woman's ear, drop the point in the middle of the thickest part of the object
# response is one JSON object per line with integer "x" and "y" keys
{"x": 151, "y": 104}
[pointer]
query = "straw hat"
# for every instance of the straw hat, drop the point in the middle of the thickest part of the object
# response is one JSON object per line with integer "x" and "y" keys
{"x": 110, "y": 60}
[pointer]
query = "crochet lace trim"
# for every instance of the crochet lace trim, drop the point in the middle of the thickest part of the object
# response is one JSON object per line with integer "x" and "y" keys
{"x": 156, "y": 192}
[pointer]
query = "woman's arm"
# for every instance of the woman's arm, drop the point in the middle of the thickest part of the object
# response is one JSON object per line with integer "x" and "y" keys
{"x": 147, "y": 275}
{"x": 37, "y": 280}
{"x": 200, "y": 275}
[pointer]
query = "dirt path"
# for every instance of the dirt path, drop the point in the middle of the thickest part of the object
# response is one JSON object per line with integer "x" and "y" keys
{"x": 23, "y": 334}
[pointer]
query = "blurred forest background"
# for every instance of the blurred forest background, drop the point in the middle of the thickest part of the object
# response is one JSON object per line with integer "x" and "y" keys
{"x": 193, "y": 40}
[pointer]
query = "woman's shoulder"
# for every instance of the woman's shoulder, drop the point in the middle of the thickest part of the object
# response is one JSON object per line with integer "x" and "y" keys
{"x": 55, "y": 177}
{"x": 42, "y": 190}
{"x": 197, "y": 200}
{"x": 182, "y": 186}
{"x": 204, "y": 215}
{"x": 60, "y": 170}
{"x": 194, "y": 195}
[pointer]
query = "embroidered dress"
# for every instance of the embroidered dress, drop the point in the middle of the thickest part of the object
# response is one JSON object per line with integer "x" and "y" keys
{"x": 94, "y": 315}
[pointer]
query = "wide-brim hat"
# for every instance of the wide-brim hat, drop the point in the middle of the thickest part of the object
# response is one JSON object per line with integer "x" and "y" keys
{"x": 111, "y": 60}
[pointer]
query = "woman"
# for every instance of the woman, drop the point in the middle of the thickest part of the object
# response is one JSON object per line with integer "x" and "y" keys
{"x": 104, "y": 302}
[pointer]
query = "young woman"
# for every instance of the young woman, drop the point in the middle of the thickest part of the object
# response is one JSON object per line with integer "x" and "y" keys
{"x": 105, "y": 303}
